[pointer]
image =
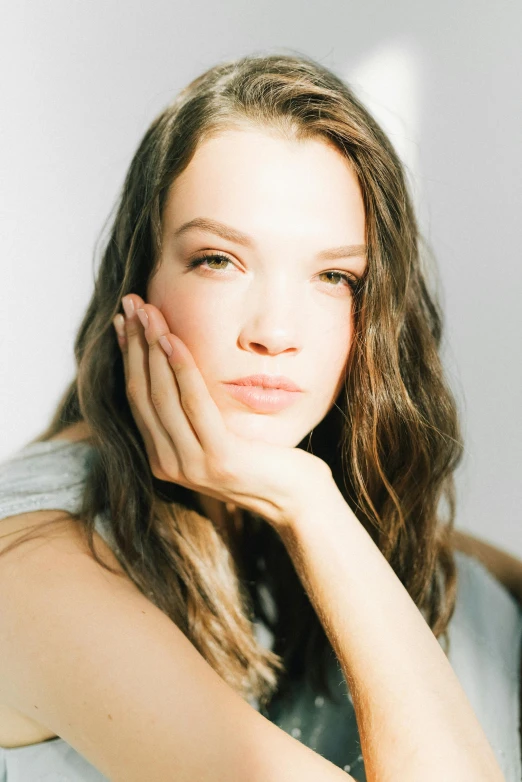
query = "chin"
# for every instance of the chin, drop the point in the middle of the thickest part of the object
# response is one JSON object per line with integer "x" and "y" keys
{"x": 269, "y": 428}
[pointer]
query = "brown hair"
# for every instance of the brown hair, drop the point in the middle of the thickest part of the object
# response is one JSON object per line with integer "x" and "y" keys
{"x": 392, "y": 438}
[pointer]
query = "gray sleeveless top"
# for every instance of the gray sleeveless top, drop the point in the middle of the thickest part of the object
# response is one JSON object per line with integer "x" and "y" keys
{"x": 485, "y": 644}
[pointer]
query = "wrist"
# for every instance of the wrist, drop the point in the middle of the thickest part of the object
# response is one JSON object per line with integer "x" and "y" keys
{"x": 319, "y": 503}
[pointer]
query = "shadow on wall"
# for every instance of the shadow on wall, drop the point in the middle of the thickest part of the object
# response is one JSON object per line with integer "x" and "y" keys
{"x": 388, "y": 81}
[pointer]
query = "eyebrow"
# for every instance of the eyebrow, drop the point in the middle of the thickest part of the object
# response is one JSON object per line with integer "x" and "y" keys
{"x": 234, "y": 235}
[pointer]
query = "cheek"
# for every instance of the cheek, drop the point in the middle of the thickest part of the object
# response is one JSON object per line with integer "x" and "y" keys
{"x": 332, "y": 349}
{"x": 208, "y": 325}
{"x": 200, "y": 321}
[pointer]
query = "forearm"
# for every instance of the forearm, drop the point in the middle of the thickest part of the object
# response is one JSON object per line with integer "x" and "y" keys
{"x": 414, "y": 719}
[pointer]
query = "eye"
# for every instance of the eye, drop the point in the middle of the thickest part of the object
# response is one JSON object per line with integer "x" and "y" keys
{"x": 215, "y": 257}
{"x": 352, "y": 281}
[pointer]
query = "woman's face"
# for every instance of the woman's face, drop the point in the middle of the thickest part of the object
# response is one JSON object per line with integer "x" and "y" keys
{"x": 273, "y": 306}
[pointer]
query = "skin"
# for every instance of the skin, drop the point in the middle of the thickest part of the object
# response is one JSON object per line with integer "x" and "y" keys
{"x": 273, "y": 308}
{"x": 506, "y": 568}
{"x": 277, "y": 310}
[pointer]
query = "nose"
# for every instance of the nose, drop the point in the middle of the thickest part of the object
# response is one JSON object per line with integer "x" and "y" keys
{"x": 273, "y": 323}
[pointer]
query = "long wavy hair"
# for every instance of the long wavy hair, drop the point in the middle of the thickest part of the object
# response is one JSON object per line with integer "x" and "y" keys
{"x": 392, "y": 438}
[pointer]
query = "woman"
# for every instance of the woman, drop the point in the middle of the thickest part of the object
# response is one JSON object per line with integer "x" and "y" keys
{"x": 264, "y": 228}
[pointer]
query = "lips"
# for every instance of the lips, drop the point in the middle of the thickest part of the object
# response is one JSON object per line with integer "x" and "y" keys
{"x": 266, "y": 381}
{"x": 262, "y": 400}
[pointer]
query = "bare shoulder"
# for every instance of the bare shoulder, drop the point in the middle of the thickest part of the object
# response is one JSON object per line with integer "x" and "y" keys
{"x": 23, "y": 534}
{"x": 94, "y": 661}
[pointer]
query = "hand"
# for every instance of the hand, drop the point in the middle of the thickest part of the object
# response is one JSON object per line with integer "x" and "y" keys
{"x": 186, "y": 439}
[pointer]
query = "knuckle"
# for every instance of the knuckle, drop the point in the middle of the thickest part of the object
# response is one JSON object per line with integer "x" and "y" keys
{"x": 163, "y": 471}
{"x": 189, "y": 405}
{"x": 132, "y": 327}
{"x": 196, "y": 470}
{"x": 157, "y": 471}
{"x": 188, "y": 475}
{"x": 220, "y": 468}
{"x": 158, "y": 398}
{"x": 192, "y": 471}
{"x": 133, "y": 389}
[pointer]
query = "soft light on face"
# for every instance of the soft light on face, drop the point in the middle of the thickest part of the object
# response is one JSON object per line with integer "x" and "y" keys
{"x": 275, "y": 306}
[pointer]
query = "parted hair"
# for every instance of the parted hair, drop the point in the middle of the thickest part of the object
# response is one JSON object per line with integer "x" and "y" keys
{"x": 392, "y": 437}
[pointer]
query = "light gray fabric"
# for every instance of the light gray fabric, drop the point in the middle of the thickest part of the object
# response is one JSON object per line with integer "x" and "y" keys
{"x": 485, "y": 644}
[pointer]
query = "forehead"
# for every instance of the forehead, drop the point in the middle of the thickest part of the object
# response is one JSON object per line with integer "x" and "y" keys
{"x": 254, "y": 179}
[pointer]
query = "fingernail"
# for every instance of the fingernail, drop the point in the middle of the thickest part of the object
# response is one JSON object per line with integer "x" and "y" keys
{"x": 165, "y": 344}
{"x": 119, "y": 325}
{"x": 142, "y": 315}
{"x": 128, "y": 306}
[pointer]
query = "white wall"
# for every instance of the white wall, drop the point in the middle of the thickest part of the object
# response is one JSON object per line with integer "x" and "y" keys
{"x": 81, "y": 83}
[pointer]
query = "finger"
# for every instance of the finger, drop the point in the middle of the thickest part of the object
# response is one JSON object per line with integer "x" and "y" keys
{"x": 137, "y": 380}
{"x": 119, "y": 327}
{"x": 197, "y": 415}
{"x": 121, "y": 335}
{"x": 166, "y": 398}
